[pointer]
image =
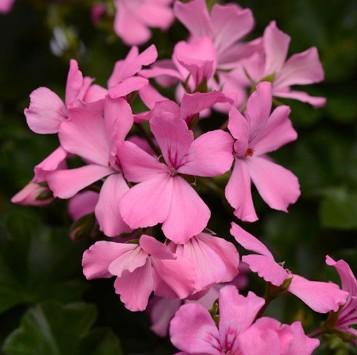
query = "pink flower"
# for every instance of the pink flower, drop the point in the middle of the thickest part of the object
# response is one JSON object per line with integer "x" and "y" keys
{"x": 94, "y": 135}
{"x": 322, "y": 297}
{"x": 6, "y": 6}
{"x": 193, "y": 331}
{"x": 82, "y": 204}
{"x": 271, "y": 64}
{"x": 212, "y": 259}
{"x": 135, "y": 17}
{"x": 257, "y": 133}
{"x": 169, "y": 198}
{"x": 140, "y": 269}
{"x": 347, "y": 315}
{"x": 124, "y": 79}
{"x": 47, "y": 110}
{"x": 36, "y": 192}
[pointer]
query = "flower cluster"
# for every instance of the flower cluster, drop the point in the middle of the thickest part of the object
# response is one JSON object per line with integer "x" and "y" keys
{"x": 140, "y": 172}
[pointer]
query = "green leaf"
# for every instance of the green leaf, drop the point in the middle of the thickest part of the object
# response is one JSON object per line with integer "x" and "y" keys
{"x": 54, "y": 329}
{"x": 338, "y": 209}
{"x": 36, "y": 263}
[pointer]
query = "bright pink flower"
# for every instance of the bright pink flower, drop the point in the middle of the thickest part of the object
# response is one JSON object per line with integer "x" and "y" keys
{"x": 347, "y": 315}
{"x": 193, "y": 331}
{"x": 140, "y": 269}
{"x": 124, "y": 79}
{"x": 135, "y": 17}
{"x": 162, "y": 195}
{"x": 47, "y": 110}
{"x": 257, "y": 133}
{"x": 212, "y": 259}
{"x": 94, "y": 138}
{"x": 36, "y": 192}
{"x": 271, "y": 64}
{"x": 6, "y": 6}
{"x": 322, "y": 297}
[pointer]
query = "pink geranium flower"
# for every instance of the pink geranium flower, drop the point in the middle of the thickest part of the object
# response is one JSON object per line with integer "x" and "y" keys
{"x": 193, "y": 330}
{"x": 257, "y": 133}
{"x": 271, "y": 63}
{"x": 135, "y": 17}
{"x": 6, "y": 6}
{"x": 47, "y": 110}
{"x": 347, "y": 315}
{"x": 322, "y": 297}
{"x": 140, "y": 269}
{"x": 94, "y": 135}
{"x": 36, "y": 193}
{"x": 169, "y": 198}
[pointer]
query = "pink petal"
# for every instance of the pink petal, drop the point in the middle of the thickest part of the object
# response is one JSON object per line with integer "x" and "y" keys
{"x": 136, "y": 287}
{"x": 95, "y": 93}
{"x": 82, "y": 204}
{"x": 75, "y": 84}
{"x": 107, "y": 209}
{"x": 193, "y": 330}
{"x": 238, "y": 192}
{"x": 259, "y": 106}
{"x": 46, "y": 111}
{"x": 348, "y": 279}
{"x": 278, "y": 186}
{"x": 267, "y": 268}
{"x": 239, "y": 128}
{"x": 172, "y": 135}
{"x": 150, "y": 96}
{"x": 128, "y": 27}
{"x": 301, "y": 96}
{"x": 155, "y": 14}
{"x": 137, "y": 164}
{"x": 248, "y": 241}
{"x": 187, "y": 216}
{"x": 322, "y": 297}
{"x": 301, "y": 69}
{"x": 193, "y": 104}
{"x": 236, "y": 311}
{"x": 99, "y": 256}
{"x": 29, "y": 195}
{"x": 209, "y": 155}
{"x": 6, "y": 6}
{"x": 230, "y": 23}
{"x": 195, "y": 17}
{"x": 83, "y": 123}
{"x": 277, "y": 132}
{"x": 128, "y": 261}
{"x": 66, "y": 183}
{"x": 213, "y": 260}
{"x": 157, "y": 194}
{"x": 128, "y": 86}
{"x": 276, "y": 46}
{"x": 154, "y": 248}
{"x": 53, "y": 162}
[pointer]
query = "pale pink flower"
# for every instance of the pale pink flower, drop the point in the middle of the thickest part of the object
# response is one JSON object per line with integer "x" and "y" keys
{"x": 257, "y": 133}
{"x": 6, "y": 6}
{"x": 124, "y": 78}
{"x": 36, "y": 192}
{"x": 140, "y": 269}
{"x": 94, "y": 136}
{"x": 193, "y": 330}
{"x": 322, "y": 297}
{"x": 134, "y": 18}
{"x": 347, "y": 315}
{"x": 169, "y": 198}
{"x": 271, "y": 63}
{"x": 47, "y": 110}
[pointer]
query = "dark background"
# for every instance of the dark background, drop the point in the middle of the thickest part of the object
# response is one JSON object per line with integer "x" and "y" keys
{"x": 46, "y": 306}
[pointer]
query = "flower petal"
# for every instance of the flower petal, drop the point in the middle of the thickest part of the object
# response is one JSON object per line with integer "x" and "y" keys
{"x": 239, "y": 128}
{"x": 82, "y": 204}
{"x": 315, "y": 101}
{"x": 188, "y": 215}
{"x": 278, "y": 186}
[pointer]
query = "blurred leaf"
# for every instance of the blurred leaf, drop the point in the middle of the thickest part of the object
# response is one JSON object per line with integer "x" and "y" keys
{"x": 36, "y": 263}
{"x": 54, "y": 329}
{"x": 338, "y": 209}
